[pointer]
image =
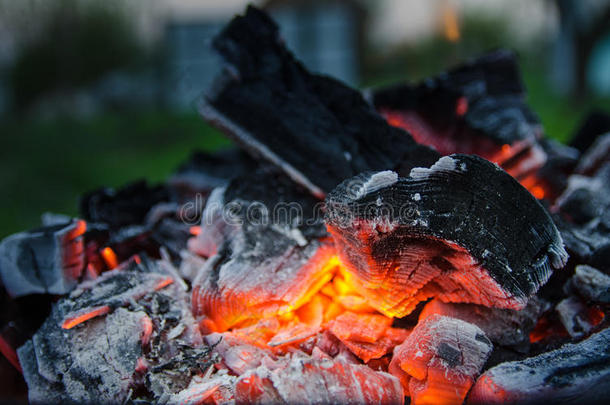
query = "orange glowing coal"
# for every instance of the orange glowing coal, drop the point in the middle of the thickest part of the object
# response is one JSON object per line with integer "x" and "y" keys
{"x": 82, "y": 316}
{"x": 109, "y": 257}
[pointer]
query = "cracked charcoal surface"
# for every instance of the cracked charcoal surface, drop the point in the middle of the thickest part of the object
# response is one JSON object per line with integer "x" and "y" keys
{"x": 266, "y": 100}
{"x": 574, "y": 373}
{"x": 462, "y": 230}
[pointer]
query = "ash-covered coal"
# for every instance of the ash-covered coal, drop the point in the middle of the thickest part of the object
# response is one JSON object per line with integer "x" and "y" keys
{"x": 462, "y": 230}
{"x": 46, "y": 260}
{"x": 316, "y": 129}
{"x": 126, "y": 335}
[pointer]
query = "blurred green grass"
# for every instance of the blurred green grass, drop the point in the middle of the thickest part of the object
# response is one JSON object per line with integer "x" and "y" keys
{"x": 45, "y": 165}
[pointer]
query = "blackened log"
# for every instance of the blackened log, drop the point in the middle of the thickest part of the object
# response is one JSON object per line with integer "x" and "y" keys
{"x": 462, "y": 230}
{"x": 267, "y": 250}
{"x": 573, "y": 374}
{"x": 440, "y": 360}
{"x": 316, "y": 129}
{"x": 44, "y": 260}
{"x": 476, "y": 108}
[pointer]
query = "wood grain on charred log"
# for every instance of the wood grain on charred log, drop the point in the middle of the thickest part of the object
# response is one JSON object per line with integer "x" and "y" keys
{"x": 462, "y": 230}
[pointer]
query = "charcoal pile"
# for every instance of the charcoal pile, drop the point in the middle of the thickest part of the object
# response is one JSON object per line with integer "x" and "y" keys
{"x": 424, "y": 243}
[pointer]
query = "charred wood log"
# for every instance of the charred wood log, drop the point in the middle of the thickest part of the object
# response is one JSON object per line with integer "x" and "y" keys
{"x": 574, "y": 373}
{"x": 267, "y": 251}
{"x": 46, "y": 260}
{"x": 462, "y": 230}
{"x": 440, "y": 360}
{"x": 266, "y": 100}
{"x": 476, "y": 108}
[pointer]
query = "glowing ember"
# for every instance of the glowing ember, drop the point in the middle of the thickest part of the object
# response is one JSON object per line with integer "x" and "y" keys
{"x": 109, "y": 257}
{"x": 84, "y": 315}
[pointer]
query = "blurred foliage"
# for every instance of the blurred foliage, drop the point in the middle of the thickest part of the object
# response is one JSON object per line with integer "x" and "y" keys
{"x": 76, "y": 44}
{"x": 45, "y": 165}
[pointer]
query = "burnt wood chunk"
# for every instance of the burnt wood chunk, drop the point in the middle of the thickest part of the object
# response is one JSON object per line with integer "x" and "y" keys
{"x": 440, "y": 360}
{"x": 46, "y": 260}
{"x": 477, "y": 108}
{"x": 462, "y": 230}
{"x": 574, "y": 373}
{"x": 266, "y": 249}
{"x": 315, "y": 128}
{"x": 595, "y": 156}
{"x": 506, "y": 327}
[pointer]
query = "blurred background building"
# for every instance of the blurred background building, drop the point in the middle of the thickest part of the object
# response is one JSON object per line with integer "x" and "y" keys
{"x": 97, "y": 93}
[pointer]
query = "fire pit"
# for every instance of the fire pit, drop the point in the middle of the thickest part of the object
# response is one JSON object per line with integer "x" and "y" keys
{"x": 409, "y": 244}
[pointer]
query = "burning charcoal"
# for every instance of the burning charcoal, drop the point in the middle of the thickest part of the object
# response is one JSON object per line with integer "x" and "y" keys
{"x": 477, "y": 108}
{"x": 204, "y": 171}
{"x": 368, "y": 336}
{"x": 318, "y": 379}
{"x": 440, "y": 360}
{"x": 575, "y": 373}
{"x": 596, "y": 156}
{"x": 462, "y": 230}
{"x": 126, "y": 206}
{"x": 266, "y": 257}
{"x": 577, "y": 318}
{"x": 592, "y": 284}
{"x": 267, "y": 101}
{"x": 505, "y": 327}
{"x": 44, "y": 260}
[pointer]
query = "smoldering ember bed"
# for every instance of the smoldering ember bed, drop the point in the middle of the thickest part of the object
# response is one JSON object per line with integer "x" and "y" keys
{"x": 419, "y": 242}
